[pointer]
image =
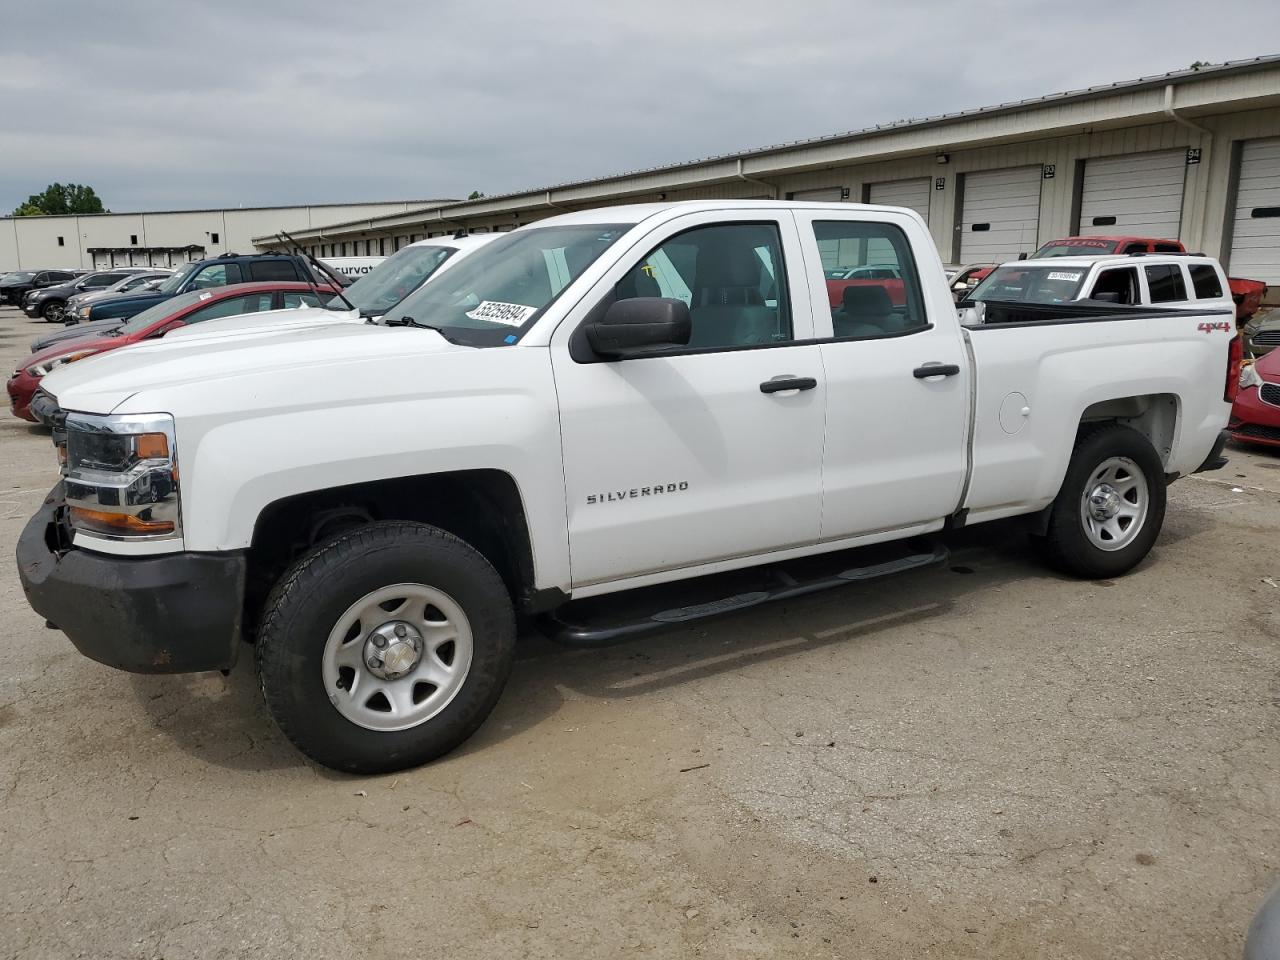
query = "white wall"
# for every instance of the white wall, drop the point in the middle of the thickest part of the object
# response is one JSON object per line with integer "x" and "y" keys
{"x": 32, "y": 242}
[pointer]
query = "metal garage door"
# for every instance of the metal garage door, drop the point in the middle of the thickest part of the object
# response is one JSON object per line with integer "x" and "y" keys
{"x": 912, "y": 194}
{"x": 1001, "y": 216}
{"x": 1137, "y": 195}
{"x": 1255, "y": 236}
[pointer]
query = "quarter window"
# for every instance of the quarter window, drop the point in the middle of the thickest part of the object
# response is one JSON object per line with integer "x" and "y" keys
{"x": 878, "y": 293}
{"x": 272, "y": 270}
{"x": 1205, "y": 282}
{"x": 1165, "y": 282}
{"x": 731, "y": 276}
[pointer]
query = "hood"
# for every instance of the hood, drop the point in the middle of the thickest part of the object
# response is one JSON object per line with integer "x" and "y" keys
{"x": 1268, "y": 366}
{"x": 249, "y": 369}
{"x": 140, "y": 300}
{"x": 254, "y": 324}
{"x": 75, "y": 332}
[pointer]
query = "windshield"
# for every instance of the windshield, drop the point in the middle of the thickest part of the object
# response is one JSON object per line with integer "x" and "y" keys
{"x": 166, "y": 308}
{"x": 173, "y": 283}
{"x": 493, "y": 296}
{"x": 1031, "y": 284}
{"x": 392, "y": 280}
{"x": 1075, "y": 248}
{"x": 21, "y": 277}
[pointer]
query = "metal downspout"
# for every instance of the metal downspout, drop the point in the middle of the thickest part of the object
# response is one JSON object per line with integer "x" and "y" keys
{"x": 1176, "y": 117}
{"x": 773, "y": 190}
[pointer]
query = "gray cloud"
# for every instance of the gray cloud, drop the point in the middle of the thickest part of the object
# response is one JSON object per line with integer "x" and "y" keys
{"x": 203, "y": 104}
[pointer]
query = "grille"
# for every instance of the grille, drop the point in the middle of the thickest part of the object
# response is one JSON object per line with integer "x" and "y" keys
{"x": 1268, "y": 338}
{"x": 1257, "y": 431}
{"x": 1270, "y": 393}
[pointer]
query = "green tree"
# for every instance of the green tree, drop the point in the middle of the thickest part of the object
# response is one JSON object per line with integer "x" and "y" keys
{"x": 475, "y": 195}
{"x": 60, "y": 198}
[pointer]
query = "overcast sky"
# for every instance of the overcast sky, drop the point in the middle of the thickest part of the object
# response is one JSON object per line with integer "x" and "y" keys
{"x": 174, "y": 105}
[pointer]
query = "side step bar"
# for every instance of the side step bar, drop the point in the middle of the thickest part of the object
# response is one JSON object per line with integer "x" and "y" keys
{"x": 602, "y": 634}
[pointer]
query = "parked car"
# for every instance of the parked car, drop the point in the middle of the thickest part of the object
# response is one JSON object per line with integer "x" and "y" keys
{"x": 1247, "y": 294}
{"x": 373, "y": 294}
{"x": 1255, "y": 414}
{"x": 197, "y": 306}
{"x": 49, "y": 303}
{"x": 137, "y": 280}
{"x": 226, "y": 270}
{"x": 881, "y": 276}
{"x": 1157, "y": 280}
{"x": 613, "y": 418}
{"x": 18, "y": 284}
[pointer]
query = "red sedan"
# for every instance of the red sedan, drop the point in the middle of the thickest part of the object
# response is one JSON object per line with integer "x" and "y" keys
{"x": 1255, "y": 415}
{"x": 194, "y": 307}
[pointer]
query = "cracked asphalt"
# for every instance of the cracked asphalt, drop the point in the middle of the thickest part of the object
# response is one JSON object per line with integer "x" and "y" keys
{"x": 987, "y": 761}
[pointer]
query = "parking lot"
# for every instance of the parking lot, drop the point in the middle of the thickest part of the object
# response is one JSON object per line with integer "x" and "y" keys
{"x": 988, "y": 760}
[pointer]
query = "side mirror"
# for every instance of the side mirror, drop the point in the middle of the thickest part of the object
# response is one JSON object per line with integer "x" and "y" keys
{"x": 1107, "y": 297}
{"x": 1022, "y": 256}
{"x": 169, "y": 328}
{"x": 635, "y": 326}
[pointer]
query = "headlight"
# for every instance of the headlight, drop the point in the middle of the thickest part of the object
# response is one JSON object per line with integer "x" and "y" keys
{"x": 42, "y": 369}
{"x": 1249, "y": 377}
{"x": 122, "y": 476}
{"x": 84, "y": 311}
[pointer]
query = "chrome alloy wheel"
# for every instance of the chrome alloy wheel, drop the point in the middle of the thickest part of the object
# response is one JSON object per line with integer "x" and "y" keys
{"x": 1114, "y": 504}
{"x": 397, "y": 657}
{"x": 54, "y": 312}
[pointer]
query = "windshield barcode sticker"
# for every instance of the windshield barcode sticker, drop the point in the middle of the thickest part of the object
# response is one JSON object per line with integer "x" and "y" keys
{"x": 511, "y": 314}
{"x": 1064, "y": 276}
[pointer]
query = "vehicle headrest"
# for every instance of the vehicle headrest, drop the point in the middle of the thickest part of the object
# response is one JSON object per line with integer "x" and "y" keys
{"x": 866, "y": 300}
{"x": 726, "y": 266}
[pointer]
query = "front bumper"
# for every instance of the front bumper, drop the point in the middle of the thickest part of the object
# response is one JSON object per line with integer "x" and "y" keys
{"x": 32, "y": 307}
{"x": 174, "y": 613}
{"x": 1253, "y": 420}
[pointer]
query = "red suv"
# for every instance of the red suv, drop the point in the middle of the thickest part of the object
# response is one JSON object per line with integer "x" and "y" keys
{"x": 182, "y": 310}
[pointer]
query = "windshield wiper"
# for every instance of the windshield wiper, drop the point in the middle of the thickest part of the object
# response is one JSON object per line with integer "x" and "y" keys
{"x": 407, "y": 321}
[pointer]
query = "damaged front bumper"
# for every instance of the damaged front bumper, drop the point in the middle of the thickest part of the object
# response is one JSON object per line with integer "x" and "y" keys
{"x": 173, "y": 613}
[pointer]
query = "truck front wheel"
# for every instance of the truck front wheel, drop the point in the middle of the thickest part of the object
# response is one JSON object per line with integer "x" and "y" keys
{"x": 385, "y": 647}
{"x": 1111, "y": 506}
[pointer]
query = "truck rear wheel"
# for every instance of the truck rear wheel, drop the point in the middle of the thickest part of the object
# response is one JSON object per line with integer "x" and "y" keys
{"x": 385, "y": 647}
{"x": 1110, "y": 508}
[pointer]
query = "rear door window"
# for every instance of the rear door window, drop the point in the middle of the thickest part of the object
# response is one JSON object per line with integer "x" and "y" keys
{"x": 1205, "y": 282}
{"x": 230, "y": 307}
{"x": 1164, "y": 280}
{"x": 880, "y": 294}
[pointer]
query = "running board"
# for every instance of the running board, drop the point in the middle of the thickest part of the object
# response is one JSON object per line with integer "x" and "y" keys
{"x": 616, "y": 618}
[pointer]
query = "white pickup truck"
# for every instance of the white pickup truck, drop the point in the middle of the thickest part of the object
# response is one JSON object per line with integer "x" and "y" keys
{"x": 1181, "y": 281}
{"x": 618, "y": 419}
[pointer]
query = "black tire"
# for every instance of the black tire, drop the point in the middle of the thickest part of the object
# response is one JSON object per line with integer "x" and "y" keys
{"x": 313, "y": 595}
{"x": 1066, "y": 544}
{"x": 53, "y": 311}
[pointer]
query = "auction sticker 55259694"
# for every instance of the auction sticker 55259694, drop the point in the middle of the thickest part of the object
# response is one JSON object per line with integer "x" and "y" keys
{"x": 511, "y": 314}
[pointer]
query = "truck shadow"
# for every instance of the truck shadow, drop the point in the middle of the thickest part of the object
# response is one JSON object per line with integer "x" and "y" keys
{"x": 223, "y": 721}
